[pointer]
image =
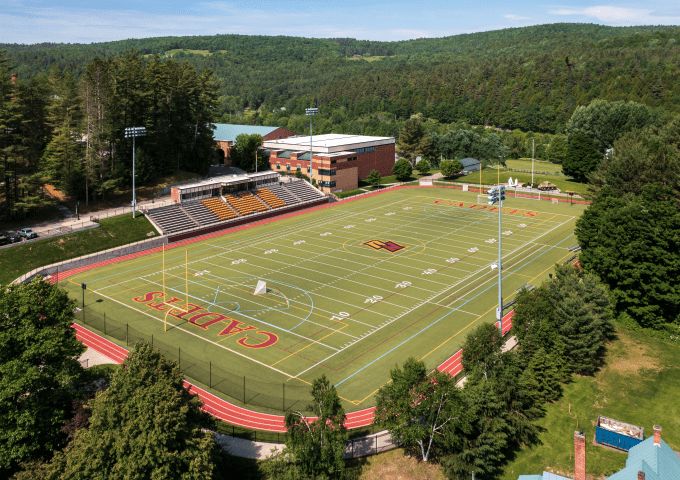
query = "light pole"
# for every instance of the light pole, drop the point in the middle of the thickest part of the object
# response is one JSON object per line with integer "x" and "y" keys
{"x": 134, "y": 132}
{"x": 311, "y": 112}
{"x": 497, "y": 194}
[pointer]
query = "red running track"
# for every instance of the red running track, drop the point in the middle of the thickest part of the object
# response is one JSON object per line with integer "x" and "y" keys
{"x": 243, "y": 417}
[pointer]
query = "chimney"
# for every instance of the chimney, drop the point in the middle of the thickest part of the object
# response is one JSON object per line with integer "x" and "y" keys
{"x": 657, "y": 436}
{"x": 580, "y": 455}
{"x": 641, "y": 475}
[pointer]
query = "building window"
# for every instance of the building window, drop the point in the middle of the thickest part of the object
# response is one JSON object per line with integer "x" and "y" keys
{"x": 365, "y": 150}
{"x": 333, "y": 162}
{"x": 299, "y": 168}
{"x": 327, "y": 184}
{"x": 309, "y": 169}
{"x": 278, "y": 166}
{"x": 288, "y": 167}
{"x": 327, "y": 172}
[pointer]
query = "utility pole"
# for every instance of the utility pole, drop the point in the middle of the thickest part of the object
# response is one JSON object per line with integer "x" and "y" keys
{"x": 134, "y": 132}
{"x": 532, "y": 162}
{"x": 310, "y": 112}
{"x": 497, "y": 194}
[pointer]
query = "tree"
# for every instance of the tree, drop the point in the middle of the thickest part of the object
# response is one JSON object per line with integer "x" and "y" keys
{"x": 39, "y": 370}
{"x": 317, "y": 446}
{"x": 640, "y": 158}
{"x": 145, "y": 425}
{"x": 373, "y": 178}
{"x": 449, "y": 168}
{"x": 402, "y": 170}
{"x": 10, "y": 138}
{"x": 606, "y": 121}
{"x": 482, "y": 348}
{"x": 420, "y": 410}
{"x": 412, "y": 140}
{"x": 423, "y": 166}
{"x": 502, "y": 408}
{"x": 557, "y": 151}
{"x": 633, "y": 245}
{"x": 582, "y": 156}
{"x": 244, "y": 150}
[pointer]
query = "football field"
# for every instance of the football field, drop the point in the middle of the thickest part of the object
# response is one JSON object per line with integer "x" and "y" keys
{"x": 347, "y": 291}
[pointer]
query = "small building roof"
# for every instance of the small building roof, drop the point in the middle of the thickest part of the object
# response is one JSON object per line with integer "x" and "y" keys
{"x": 469, "y": 161}
{"x": 228, "y": 133}
{"x": 656, "y": 462}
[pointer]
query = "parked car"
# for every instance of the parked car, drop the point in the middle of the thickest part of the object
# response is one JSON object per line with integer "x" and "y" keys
{"x": 12, "y": 236}
{"x": 3, "y": 240}
{"x": 27, "y": 233}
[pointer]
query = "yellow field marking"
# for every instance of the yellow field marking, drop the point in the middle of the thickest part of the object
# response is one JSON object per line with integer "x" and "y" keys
{"x": 312, "y": 343}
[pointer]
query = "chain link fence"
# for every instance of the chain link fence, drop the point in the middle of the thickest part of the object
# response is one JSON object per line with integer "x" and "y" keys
{"x": 246, "y": 389}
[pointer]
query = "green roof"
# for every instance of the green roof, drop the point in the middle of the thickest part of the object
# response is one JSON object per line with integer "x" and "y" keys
{"x": 228, "y": 133}
{"x": 657, "y": 462}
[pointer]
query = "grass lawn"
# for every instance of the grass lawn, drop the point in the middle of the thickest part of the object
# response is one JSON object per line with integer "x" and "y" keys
{"x": 490, "y": 177}
{"x": 640, "y": 384}
{"x": 525, "y": 164}
{"x": 112, "y": 232}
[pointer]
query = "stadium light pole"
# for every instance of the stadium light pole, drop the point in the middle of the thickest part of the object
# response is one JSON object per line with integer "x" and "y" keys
{"x": 134, "y": 132}
{"x": 497, "y": 194}
{"x": 310, "y": 112}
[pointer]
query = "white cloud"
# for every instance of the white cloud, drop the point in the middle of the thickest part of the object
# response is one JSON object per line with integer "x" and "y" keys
{"x": 515, "y": 17}
{"x": 620, "y": 15}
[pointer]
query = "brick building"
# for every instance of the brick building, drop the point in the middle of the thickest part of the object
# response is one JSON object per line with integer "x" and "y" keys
{"x": 338, "y": 161}
{"x": 225, "y": 135}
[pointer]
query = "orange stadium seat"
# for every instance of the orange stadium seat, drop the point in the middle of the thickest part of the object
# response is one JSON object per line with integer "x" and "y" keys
{"x": 219, "y": 208}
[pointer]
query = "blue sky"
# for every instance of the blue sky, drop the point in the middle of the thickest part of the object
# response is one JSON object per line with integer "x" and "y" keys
{"x": 79, "y": 21}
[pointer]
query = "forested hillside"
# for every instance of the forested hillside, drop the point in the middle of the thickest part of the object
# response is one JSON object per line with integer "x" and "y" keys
{"x": 513, "y": 78}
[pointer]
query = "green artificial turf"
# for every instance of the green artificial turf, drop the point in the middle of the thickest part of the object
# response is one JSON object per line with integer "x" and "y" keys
{"x": 112, "y": 232}
{"x": 640, "y": 384}
{"x": 334, "y": 305}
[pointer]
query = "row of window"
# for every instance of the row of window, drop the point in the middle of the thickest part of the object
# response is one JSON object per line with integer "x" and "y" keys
{"x": 365, "y": 150}
{"x": 325, "y": 171}
{"x": 327, "y": 184}
{"x": 278, "y": 167}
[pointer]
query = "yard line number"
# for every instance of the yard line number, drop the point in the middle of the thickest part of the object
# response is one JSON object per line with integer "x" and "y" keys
{"x": 340, "y": 317}
{"x": 298, "y": 242}
{"x": 429, "y": 271}
{"x": 273, "y": 250}
{"x": 374, "y": 299}
{"x": 240, "y": 260}
{"x": 402, "y": 285}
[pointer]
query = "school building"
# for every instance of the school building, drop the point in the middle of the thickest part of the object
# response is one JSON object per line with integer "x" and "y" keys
{"x": 225, "y": 135}
{"x": 337, "y": 161}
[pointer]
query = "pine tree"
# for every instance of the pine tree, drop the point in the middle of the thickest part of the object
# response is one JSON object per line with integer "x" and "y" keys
{"x": 10, "y": 140}
{"x": 545, "y": 369}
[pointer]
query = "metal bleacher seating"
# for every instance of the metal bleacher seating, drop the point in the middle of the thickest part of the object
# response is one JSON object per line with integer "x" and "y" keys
{"x": 172, "y": 218}
{"x": 283, "y": 193}
{"x": 246, "y": 203}
{"x": 269, "y": 198}
{"x": 304, "y": 191}
{"x": 200, "y": 213}
{"x": 217, "y": 206}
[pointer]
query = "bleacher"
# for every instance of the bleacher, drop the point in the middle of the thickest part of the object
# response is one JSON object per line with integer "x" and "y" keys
{"x": 283, "y": 193}
{"x": 269, "y": 198}
{"x": 246, "y": 203}
{"x": 200, "y": 213}
{"x": 172, "y": 218}
{"x": 304, "y": 191}
{"x": 185, "y": 216}
{"x": 217, "y": 207}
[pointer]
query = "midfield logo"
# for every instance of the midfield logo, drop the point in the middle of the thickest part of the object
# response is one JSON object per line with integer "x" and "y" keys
{"x": 389, "y": 245}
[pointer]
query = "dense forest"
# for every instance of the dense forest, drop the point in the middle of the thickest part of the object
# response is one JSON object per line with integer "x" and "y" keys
{"x": 512, "y": 78}
{"x": 65, "y": 115}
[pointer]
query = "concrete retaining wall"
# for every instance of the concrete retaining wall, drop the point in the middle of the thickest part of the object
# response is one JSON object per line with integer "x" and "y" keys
{"x": 93, "y": 258}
